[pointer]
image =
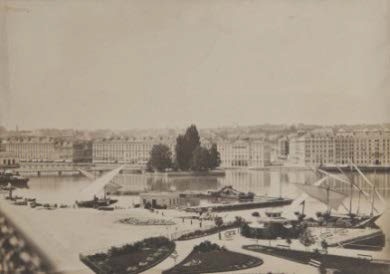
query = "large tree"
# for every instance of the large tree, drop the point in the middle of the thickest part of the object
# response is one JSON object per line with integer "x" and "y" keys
{"x": 200, "y": 159}
{"x": 215, "y": 158}
{"x": 192, "y": 138}
{"x": 185, "y": 146}
{"x": 181, "y": 161}
{"x": 160, "y": 157}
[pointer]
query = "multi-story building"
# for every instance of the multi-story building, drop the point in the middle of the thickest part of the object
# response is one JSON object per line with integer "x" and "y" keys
{"x": 127, "y": 150}
{"x": 8, "y": 160}
{"x": 39, "y": 149}
{"x": 244, "y": 153}
{"x": 283, "y": 147}
{"x": 363, "y": 147}
{"x": 372, "y": 147}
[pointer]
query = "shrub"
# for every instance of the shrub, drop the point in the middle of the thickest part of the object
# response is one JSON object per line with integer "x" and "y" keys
{"x": 206, "y": 246}
{"x": 255, "y": 214}
{"x": 245, "y": 230}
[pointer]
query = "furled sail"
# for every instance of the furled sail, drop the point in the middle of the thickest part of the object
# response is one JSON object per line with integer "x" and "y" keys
{"x": 323, "y": 194}
{"x": 97, "y": 187}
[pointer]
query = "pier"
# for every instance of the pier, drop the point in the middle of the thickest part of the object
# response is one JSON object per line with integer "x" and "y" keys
{"x": 347, "y": 260}
{"x": 261, "y": 202}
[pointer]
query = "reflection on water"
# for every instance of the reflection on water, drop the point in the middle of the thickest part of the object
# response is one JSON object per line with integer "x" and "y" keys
{"x": 270, "y": 183}
{"x": 262, "y": 182}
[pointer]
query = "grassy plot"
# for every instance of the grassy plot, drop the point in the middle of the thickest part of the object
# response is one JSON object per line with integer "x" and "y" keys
{"x": 208, "y": 257}
{"x": 131, "y": 258}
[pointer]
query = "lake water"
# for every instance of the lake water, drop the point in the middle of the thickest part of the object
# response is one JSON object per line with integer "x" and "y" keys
{"x": 261, "y": 182}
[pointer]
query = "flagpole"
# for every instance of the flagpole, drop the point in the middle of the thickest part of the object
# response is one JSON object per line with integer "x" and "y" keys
{"x": 303, "y": 206}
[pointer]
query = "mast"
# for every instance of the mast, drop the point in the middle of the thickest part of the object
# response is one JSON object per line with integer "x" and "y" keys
{"x": 374, "y": 190}
{"x": 358, "y": 206}
{"x": 351, "y": 193}
{"x": 327, "y": 197}
{"x": 373, "y": 194}
{"x": 351, "y": 184}
{"x": 280, "y": 182}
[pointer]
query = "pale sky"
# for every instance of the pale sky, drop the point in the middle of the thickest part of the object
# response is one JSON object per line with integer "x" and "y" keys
{"x": 151, "y": 64}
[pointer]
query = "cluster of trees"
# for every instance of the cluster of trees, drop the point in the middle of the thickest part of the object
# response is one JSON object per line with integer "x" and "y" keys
{"x": 190, "y": 155}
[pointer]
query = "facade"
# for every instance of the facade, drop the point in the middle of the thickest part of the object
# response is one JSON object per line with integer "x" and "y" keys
{"x": 362, "y": 147}
{"x": 8, "y": 160}
{"x": 127, "y": 150}
{"x": 29, "y": 149}
{"x": 283, "y": 147}
{"x": 160, "y": 199}
{"x": 244, "y": 153}
{"x": 372, "y": 147}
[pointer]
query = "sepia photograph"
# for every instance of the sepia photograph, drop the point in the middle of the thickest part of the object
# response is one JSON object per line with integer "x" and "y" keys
{"x": 194, "y": 136}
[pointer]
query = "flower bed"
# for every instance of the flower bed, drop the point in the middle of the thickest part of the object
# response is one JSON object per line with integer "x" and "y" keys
{"x": 137, "y": 221}
{"x": 208, "y": 257}
{"x": 130, "y": 258}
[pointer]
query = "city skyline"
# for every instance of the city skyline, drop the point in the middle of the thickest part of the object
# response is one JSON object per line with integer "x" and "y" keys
{"x": 154, "y": 65}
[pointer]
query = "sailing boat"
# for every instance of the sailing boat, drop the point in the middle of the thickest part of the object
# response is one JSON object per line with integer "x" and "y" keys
{"x": 335, "y": 199}
{"x": 96, "y": 189}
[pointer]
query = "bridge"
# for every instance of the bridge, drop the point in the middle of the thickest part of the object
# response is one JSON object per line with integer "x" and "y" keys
{"x": 68, "y": 168}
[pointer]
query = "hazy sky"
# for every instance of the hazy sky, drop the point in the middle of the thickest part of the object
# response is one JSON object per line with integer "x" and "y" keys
{"x": 126, "y": 64}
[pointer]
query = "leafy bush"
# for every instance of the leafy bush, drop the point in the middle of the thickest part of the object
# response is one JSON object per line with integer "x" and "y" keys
{"x": 206, "y": 246}
{"x": 255, "y": 214}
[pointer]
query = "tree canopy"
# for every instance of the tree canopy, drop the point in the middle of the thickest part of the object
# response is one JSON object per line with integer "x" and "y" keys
{"x": 191, "y": 155}
{"x": 181, "y": 160}
{"x": 200, "y": 159}
{"x": 185, "y": 146}
{"x": 160, "y": 158}
{"x": 214, "y": 157}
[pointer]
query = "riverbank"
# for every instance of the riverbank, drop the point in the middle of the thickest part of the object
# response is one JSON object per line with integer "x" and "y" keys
{"x": 173, "y": 174}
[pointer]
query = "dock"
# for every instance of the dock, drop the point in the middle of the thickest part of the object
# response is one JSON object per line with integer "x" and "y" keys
{"x": 347, "y": 261}
{"x": 260, "y": 202}
{"x": 371, "y": 238}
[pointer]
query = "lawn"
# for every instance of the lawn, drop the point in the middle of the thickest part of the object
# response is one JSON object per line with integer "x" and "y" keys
{"x": 213, "y": 258}
{"x": 130, "y": 259}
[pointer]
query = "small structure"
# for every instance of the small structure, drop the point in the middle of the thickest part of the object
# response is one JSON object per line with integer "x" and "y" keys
{"x": 8, "y": 160}
{"x": 160, "y": 200}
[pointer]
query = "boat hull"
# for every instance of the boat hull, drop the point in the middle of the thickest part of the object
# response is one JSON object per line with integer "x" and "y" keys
{"x": 19, "y": 183}
{"x": 96, "y": 204}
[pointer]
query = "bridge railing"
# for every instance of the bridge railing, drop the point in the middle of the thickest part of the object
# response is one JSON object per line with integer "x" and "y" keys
{"x": 17, "y": 253}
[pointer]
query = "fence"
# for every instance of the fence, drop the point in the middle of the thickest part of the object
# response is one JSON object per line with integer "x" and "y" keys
{"x": 17, "y": 253}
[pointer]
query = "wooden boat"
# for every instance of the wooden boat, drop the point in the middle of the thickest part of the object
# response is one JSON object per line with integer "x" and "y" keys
{"x": 96, "y": 203}
{"x": 228, "y": 192}
{"x": 98, "y": 188}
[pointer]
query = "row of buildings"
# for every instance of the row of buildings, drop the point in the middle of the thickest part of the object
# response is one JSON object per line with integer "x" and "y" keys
{"x": 45, "y": 149}
{"x": 339, "y": 147}
{"x": 317, "y": 147}
{"x": 237, "y": 152}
